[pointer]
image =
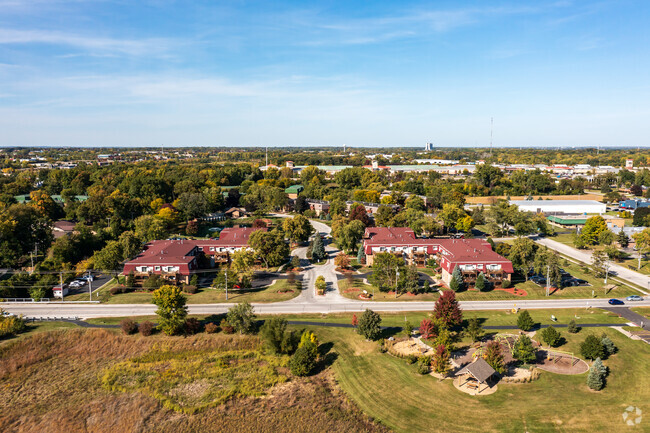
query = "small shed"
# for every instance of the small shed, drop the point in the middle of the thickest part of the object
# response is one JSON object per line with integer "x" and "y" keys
{"x": 475, "y": 375}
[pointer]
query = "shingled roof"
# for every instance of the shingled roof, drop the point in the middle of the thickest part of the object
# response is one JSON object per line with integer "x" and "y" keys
{"x": 479, "y": 369}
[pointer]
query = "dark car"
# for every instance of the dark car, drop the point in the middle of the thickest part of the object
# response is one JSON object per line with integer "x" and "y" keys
{"x": 538, "y": 280}
{"x": 580, "y": 282}
{"x": 614, "y": 301}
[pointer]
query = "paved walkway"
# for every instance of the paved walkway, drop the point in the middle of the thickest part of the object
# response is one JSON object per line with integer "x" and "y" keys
{"x": 643, "y": 281}
{"x": 630, "y": 315}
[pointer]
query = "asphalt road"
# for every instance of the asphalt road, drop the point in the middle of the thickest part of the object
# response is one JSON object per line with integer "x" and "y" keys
{"x": 584, "y": 256}
{"x": 44, "y": 310}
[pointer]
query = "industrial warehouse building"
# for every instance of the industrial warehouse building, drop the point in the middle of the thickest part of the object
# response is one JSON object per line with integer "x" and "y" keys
{"x": 561, "y": 206}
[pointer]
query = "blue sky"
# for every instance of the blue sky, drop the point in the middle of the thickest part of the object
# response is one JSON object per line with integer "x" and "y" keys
{"x": 363, "y": 73}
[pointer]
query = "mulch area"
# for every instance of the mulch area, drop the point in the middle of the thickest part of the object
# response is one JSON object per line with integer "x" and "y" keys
{"x": 560, "y": 363}
{"x": 511, "y": 290}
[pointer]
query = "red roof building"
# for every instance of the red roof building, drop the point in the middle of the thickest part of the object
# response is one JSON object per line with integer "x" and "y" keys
{"x": 179, "y": 259}
{"x": 472, "y": 256}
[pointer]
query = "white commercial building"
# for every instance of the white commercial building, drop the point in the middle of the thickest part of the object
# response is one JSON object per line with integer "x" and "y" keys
{"x": 561, "y": 206}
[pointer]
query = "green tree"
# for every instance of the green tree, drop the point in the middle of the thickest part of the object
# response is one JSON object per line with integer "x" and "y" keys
{"x": 599, "y": 367}
{"x": 523, "y": 350}
{"x": 242, "y": 260}
{"x": 592, "y": 348}
{"x": 130, "y": 280}
{"x": 110, "y": 257}
{"x": 599, "y": 263}
{"x": 522, "y": 255}
{"x": 241, "y": 318}
{"x": 384, "y": 268}
{"x": 172, "y": 310}
{"x": 474, "y": 329}
{"x": 480, "y": 282}
{"x": 550, "y": 336}
{"x": 302, "y": 362}
{"x": 275, "y": 335}
{"x": 623, "y": 239}
{"x": 318, "y": 249}
{"x": 369, "y": 325}
{"x": 642, "y": 241}
{"x": 269, "y": 246}
{"x": 361, "y": 257}
{"x": 572, "y": 328}
{"x": 298, "y": 228}
{"x": 384, "y": 215}
{"x": 348, "y": 235}
{"x": 592, "y": 230}
{"x": 524, "y": 321}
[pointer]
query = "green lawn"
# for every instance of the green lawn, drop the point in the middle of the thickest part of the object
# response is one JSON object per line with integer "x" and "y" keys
{"x": 391, "y": 392}
{"x": 644, "y": 311}
{"x": 212, "y": 296}
{"x": 352, "y": 291}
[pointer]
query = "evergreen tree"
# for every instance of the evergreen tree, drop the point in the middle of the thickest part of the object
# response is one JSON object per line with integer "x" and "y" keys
{"x": 369, "y": 325}
{"x": 130, "y": 280}
{"x": 592, "y": 348}
{"x": 608, "y": 345}
{"x": 524, "y": 321}
{"x": 523, "y": 350}
{"x": 361, "y": 256}
{"x": 456, "y": 282}
{"x": 572, "y": 328}
{"x": 318, "y": 249}
{"x": 595, "y": 380}
{"x": 622, "y": 239}
{"x": 241, "y": 318}
{"x": 440, "y": 362}
{"x": 600, "y": 367}
{"x": 480, "y": 284}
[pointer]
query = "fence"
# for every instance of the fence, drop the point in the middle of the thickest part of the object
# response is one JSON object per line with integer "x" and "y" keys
{"x": 24, "y": 300}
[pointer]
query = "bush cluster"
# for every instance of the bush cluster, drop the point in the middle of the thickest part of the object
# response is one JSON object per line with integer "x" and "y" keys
{"x": 129, "y": 326}
{"x": 146, "y": 328}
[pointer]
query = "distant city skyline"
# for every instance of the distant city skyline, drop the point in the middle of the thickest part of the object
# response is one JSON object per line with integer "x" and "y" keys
{"x": 364, "y": 74}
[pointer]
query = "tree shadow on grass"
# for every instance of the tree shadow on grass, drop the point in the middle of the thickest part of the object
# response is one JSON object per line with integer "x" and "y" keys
{"x": 327, "y": 357}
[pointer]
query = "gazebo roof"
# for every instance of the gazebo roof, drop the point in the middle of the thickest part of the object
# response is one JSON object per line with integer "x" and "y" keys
{"x": 479, "y": 369}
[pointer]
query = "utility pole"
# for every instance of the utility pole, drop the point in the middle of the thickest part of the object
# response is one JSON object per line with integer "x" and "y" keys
{"x": 61, "y": 282}
{"x": 31, "y": 256}
{"x": 548, "y": 282}
{"x": 226, "y": 273}
{"x": 606, "y": 270}
{"x": 90, "y": 287}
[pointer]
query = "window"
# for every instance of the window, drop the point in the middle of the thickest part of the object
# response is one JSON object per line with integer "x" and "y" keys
{"x": 493, "y": 267}
{"x": 157, "y": 268}
{"x": 211, "y": 248}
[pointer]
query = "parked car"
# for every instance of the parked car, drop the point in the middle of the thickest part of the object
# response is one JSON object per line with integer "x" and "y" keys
{"x": 614, "y": 301}
{"x": 634, "y": 298}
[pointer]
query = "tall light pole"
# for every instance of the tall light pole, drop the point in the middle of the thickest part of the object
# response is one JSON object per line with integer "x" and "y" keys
{"x": 226, "y": 274}
{"x": 548, "y": 282}
{"x": 396, "y": 279}
{"x": 606, "y": 264}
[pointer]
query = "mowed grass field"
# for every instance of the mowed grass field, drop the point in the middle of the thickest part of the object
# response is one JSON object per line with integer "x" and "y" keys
{"x": 390, "y": 391}
{"x": 281, "y": 290}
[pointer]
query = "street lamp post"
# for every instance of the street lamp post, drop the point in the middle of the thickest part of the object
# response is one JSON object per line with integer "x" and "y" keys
{"x": 226, "y": 274}
{"x": 396, "y": 280}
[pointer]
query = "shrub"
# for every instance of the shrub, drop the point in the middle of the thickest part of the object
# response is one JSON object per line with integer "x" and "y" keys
{"x": 550, "y": 336}
{"x": 226, "y": 327}
{"x": 573, "y": 328}
{"x": 369, "y": 325}
{"x": 427, "y": 329}
{"x": 146, "y": 328}
{"x": 506, "y": 284}
{"x": 276, "y": 338}
{"x": 524, "y": 321}
{"x": 411, "y": 359}
{"x": 193, "y": 326}
{"x": 194, "y": 281}
{"x": 242, "y": 318}
{"x": 480, "y": 284}
{"x": 211, "y": 328}
{"x": 608, "y": 345}
{"x": 424, "y": 363}
{"x": 11, "y": 325}
{"x": 115, "y": 290}
{"x": 129, "y": 326}
{"x": 592, "y": 348}
{"x": 295, "y": 261}
{"x": 302, "y": 362}
{"x": 190, "y": 289}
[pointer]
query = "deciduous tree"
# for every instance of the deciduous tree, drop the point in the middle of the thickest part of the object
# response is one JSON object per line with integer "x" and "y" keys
{"x": 172, "y": 310}
{"x": 447, "y": 309}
